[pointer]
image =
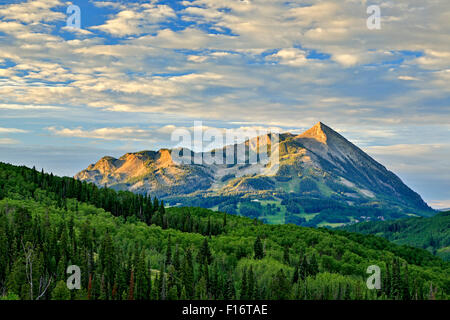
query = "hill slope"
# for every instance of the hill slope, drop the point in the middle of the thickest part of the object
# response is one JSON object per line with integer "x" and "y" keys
{"x": 431, "y": 233}
{"x": 319, "y": 170}
{"x": 180, "y": 253}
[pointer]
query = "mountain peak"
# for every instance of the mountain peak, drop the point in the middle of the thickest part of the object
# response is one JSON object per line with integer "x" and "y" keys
{"x": 319, "y": 132}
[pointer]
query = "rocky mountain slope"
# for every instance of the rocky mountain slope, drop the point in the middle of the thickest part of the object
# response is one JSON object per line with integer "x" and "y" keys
{"x": 318, "y": 171}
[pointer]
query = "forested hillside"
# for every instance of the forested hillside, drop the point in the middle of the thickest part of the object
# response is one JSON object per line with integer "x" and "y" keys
{"x": 432, "y": 234}
{"x": 129, "y": 247}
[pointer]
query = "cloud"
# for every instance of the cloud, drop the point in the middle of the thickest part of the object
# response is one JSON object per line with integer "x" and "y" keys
{"x": 28, "y": 107}
{"x": 347, "y": 60}
{"x": 136, "y": 19}
{"x": 407, "y": 78}
{"x": 291, "y": 57}
{"x": 439, "y": 204}
{"x": 264, "y": 62}
{"x": 167, "y": 134}
{"x": 32, "y": 11}
{"x": 123, "y": 133}
{"x": 12, "y": 130}
{"x": 8, "y": 141}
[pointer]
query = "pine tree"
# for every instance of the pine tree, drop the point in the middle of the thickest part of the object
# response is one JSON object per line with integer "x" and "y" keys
{"x": 251, "y": 287}
{"x": 173, "y": 293}
{"x": 244, "y": 287}
{"x": 406, "y": 295}
{"x": 188, "y": 274}
{"x": 229, "y": 293}
{"x": 258, "y": 248}
{"x": 280, "y": 288}
{"x": 313, "y": 266}
{"x": 286, "y": 259}
{"x": 205, "y": 253}
{"x": 304, "y": 268}
{"x": 169, "y": 252}
{"x": 176, "y": 259}
{"x": 387, "y": 282}
{"x": 396, "y": 279}
{"x": 295, "y": 274}
{"x": 347, "y": 292}
{"x": 61, "y": 292}
{"x": 141, "y": 279}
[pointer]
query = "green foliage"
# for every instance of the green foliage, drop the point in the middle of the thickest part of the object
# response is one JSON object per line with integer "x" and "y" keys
{"x": 187, "y": 253}
{"x": 431, "y": 233}
{"x": 60, "y": 292}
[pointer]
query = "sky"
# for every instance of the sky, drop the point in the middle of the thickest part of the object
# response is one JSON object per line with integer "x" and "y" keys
{"x": 137, "y": 70}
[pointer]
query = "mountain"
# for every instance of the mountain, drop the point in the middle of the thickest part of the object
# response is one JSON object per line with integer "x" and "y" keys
{"x": 430, "y": 233}
{"x": 130, "y": 247}
{"x": 320, "y": 179}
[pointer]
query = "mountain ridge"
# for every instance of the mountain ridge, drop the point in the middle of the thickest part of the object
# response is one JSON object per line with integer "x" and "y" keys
{"x": 318, "y": 164}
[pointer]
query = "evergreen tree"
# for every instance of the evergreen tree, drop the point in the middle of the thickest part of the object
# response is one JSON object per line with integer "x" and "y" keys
{"x": 280, "y": 286}
{"x": 244, "y": 286}
{"x": 229, "y": 293}
{"x": 286, "y": 259}
{"x": 258, "y": 248}
{"x": 304, "y": 268}
{"x": 61, "y": 292}
{"x": 169, "y": 252}
{"x": 251, "y": 286}
{"x": 313, "y": 266}
{"x": 188, "y": 274}
{"x": 204, "y": 254}
{"x": 406, "y": 295}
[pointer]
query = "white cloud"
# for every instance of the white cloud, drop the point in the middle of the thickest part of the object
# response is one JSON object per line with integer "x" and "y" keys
{"x": 28, "y": 107}
{"x": 123, "y": 133}
{"x": 347, "y": 60}
{"x": 408, "y": 78}
{"x": 291, "y": 56}
{"x": 32, "y": 11}
{"x": 12, "y": 130}
{"x": 136, "y": 19}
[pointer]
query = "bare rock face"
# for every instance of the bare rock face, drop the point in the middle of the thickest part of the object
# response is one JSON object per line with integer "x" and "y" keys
{"x": 317, "y": 163}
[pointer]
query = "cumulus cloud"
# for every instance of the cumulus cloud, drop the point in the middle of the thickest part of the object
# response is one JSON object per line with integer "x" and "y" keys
{"x": 291, "y": 56}
{"x": 136, "y": 19}
{"x": 32, "y": 11}
{"x": 287, "y": 64}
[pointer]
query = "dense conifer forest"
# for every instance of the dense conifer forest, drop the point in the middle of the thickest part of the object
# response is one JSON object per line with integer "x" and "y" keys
{"x": 132, "y": 247}
{"x": 430, "y": 233}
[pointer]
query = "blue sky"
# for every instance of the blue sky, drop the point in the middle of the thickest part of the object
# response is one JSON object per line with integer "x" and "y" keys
{"x": 137, "y": 70}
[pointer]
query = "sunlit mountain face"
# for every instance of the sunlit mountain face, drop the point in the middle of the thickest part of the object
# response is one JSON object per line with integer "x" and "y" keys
{"x": 319, "y": 175}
